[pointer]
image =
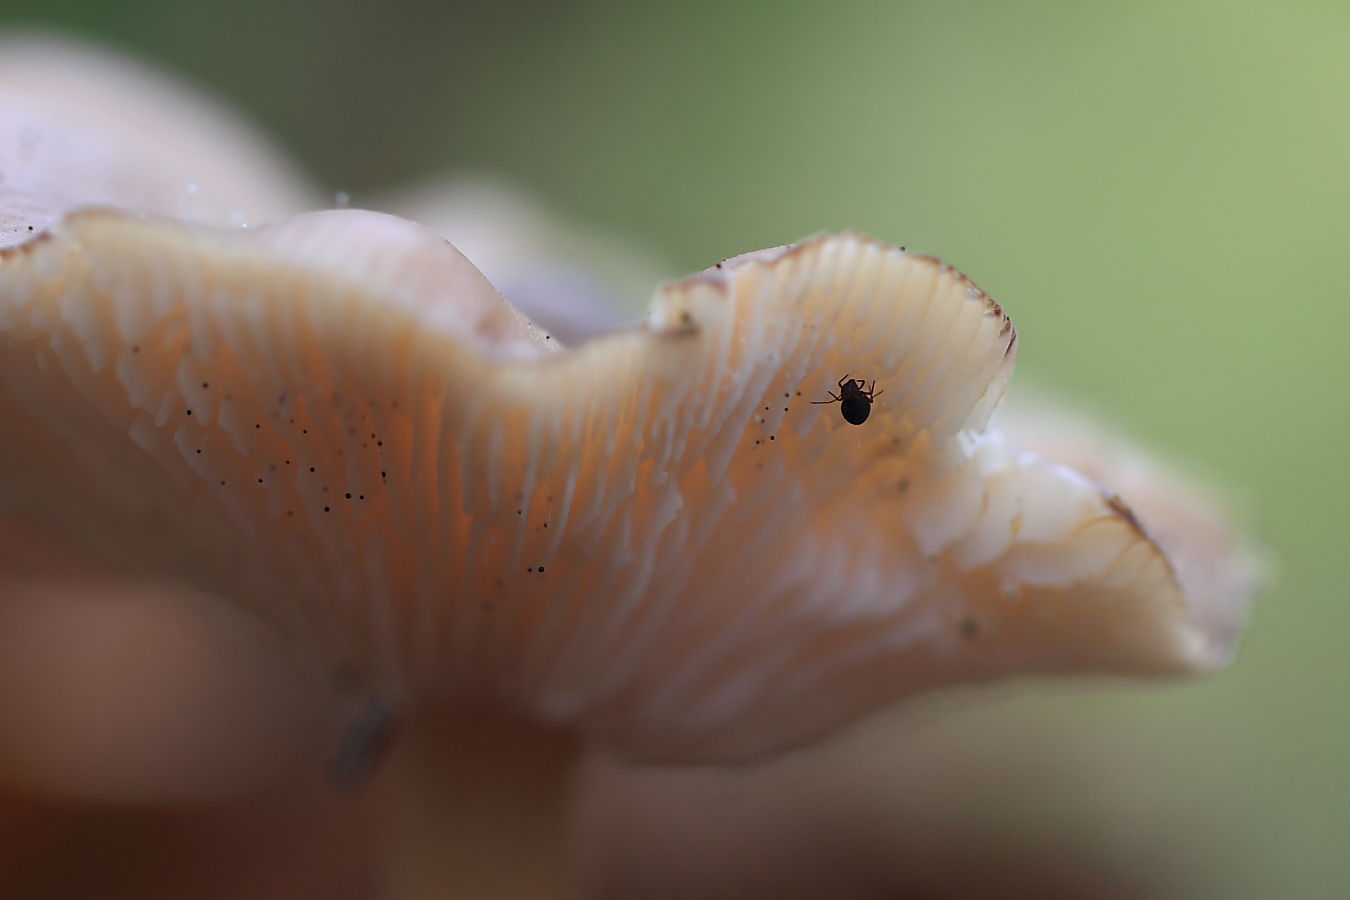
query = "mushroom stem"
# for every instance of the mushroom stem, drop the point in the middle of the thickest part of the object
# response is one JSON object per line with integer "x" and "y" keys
{"x": 478, "y": 805}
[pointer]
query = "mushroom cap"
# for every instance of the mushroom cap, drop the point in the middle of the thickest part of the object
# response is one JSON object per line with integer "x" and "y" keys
{"x": 654, "y": 536}
{"x": 82, "y": 126}
{"x": 574, "y": 282}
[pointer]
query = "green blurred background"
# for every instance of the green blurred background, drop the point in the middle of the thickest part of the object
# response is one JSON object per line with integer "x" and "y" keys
{"x": 1156, "y": 191}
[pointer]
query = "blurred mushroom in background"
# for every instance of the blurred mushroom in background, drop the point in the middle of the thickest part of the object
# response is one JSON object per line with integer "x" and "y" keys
{"x": 574, "y": 282}
{"x": 649, "y": 548}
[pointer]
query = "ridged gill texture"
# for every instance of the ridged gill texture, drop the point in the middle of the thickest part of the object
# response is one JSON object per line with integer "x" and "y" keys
{"x": 335, "y": 421}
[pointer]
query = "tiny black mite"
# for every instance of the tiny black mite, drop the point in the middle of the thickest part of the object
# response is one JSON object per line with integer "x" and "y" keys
{"x": 854, "y": 403}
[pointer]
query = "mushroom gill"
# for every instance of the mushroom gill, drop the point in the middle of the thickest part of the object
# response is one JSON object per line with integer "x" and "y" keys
{"x": 654, "y": 536}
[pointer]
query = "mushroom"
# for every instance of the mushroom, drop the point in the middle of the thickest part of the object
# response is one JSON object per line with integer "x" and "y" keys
{"x": 574, "y": 282}
{"x": 650, "y": 545}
